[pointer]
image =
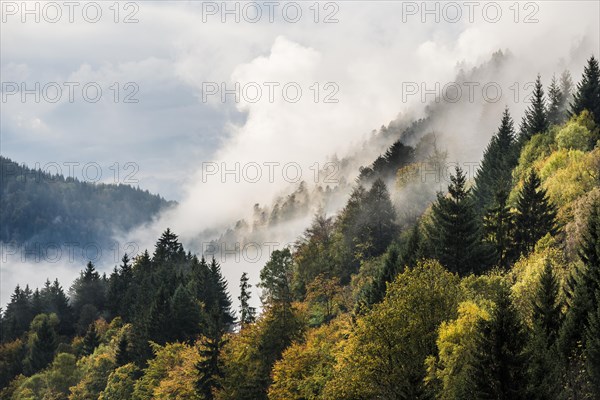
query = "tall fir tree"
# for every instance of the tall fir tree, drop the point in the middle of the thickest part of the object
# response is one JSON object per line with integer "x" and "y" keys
{"x": 592, "y": 348}
{"x": 499, "y": 229}
{"x": 42, "y": 345}
{"x": 583, "y": 286}
{"x": 566, "y": 90}
{"x": 498, "y": 360}
{"x": 535, "y": 119}
{"x": 544, "y": 363}
{"x": 535, "y": 216}
{"x": 18, "y": 314}
{"x": 499, "y": 159}
{"x": 587, "y": 96}
{"x": 91, "y": 340}
{"x": 185, "y": 315}
{"x": 247, "y": 313}
{"x": 454, "y": 233}
{"x": 555, "y": 99}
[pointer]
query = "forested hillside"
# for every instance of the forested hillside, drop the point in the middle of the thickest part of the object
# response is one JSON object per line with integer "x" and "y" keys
{"x": 491, "y": 292}
{"x": 41, "y": 207}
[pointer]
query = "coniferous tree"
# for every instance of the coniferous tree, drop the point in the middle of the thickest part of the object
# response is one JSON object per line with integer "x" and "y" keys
{"x": 380, "y": 219}
{"x": 119, "y": 293}
{"x": 168, "y": 249}
{"x": 185, "y": 315}
{"x": 122, "y": 355}
{"x": 546, "y": 307}
{"x": 18, "y": 314}
{"x": 543, "y": 366}
{"x": 582, "y": 300}
{"x": 535, "y": 216}
{"x": 498, "y": 359}
{"x": 412, "y": 250}
{"x": 499, "y": 159}
{"x": 209, "y": 366}
{"x": 57, "y": 302}
{"x": 222, "y": 300}
{"x": 87, "y": 294}
{"x": 454, "y": 232}
{"x": 498, "y": 228}
{"x": 247, "y": 313}
{"x": 566, "y": 90}
{"x": 91, "y": 340}
{"x": 592, "y": 347}
{"x": 555, "y": 99}
{"x": 535, "y": 119}
{"x": 42, "y": 345}
{"x": 158, "y": 325}
{"x": 587, "y": 96}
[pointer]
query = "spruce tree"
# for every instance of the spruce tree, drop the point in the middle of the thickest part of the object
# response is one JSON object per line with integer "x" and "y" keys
{"x": 543, "y": 366}
{"x": 498, "y": 228}
{"x": 454, "y": 232}
{"x": 566, "y": 90}
{"x": 18, "y": 314}
{"x": 91, "y": 340}
{"x": 42, "y": 345}
{"x": 535, "y": 119}
{"x": 546, "y": 307}
{"x": 499, "y": 159}
{"x": 122, "y": 355}
{"x": 555, "y": 98}
{"x": 535, "y": 216}
{"x": 587, "y": 96}
{"x": 584, "y": 285}
{"x": 247, "y": 313}
{"x": 209, "y": 366}
{"x": 185, "y": 315}
{"x": 380, "y": 216}
{"x": 498, "y": 359}
{"x": 592, "y": 347}
{"x": 168, "y": 248}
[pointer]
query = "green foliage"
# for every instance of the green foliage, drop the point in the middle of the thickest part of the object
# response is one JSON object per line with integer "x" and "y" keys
{"x": 499, "y": 158}
{"x": 543, "y": 366}
{"x": 91, "y": 340}
{"x": 385, "y": 355}
{"x": 453, "y": 232}
{"x": 577, "y": 133}
{"x": 121, "y": 383}
{"x": 585, "y": 283}
{"x": 536, "y": 116}
{"x": 499, "y": 230}
{"x": 535, "y": 216}
{"x": 450, "y": 373}
{"x": 42, "y": 343}
{"x": 39, "y": 207}
{"x": 307, "y": 366}
{"x": 587, "y": 96}
{"x": 499, "y": 364}
{"x": 247, "y": 313}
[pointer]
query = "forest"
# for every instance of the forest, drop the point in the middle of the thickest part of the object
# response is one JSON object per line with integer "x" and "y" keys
{"x": 493, "y": 292}
{"x": 39, "y": 206}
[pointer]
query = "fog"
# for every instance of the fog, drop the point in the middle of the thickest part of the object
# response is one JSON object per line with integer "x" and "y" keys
{"x": 379, "y": 63}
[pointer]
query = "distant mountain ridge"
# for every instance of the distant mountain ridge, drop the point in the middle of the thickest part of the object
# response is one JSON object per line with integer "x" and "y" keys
{"x": 39, "y": 208}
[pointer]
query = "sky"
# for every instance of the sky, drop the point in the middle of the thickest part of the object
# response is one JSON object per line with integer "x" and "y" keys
{"x": 169, "y": 96}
